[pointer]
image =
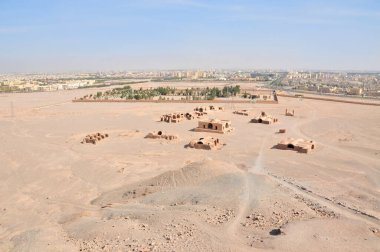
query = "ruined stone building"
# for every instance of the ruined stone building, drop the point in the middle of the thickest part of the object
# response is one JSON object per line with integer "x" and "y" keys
{"x": 282, "y": 131}
{"x": 94, "y": 138}
{"x": 208, "y": 108}
{"x": 189, "y": 116}
{"x": 299, "y": 145}
{"x": 161, "y": 135}
{"x": 264, "y": 118}
{"x": 289, "y": 113}
{"x": 207, "y": 143}
{"x": 173, "y": 118}
{"x": 242, "y": 112}
{"x": 212, "y": 107}
{"x": 199, "y": 114}
{"x": 263, "y": 95}
{"x": 214, "y": 126}
{"x": 202, "y": 109}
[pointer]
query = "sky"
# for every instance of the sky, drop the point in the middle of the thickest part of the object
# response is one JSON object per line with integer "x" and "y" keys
{"x": 127, "y": 35}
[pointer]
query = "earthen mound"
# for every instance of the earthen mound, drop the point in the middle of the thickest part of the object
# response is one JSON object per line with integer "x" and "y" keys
{"x": 191, "y": 175}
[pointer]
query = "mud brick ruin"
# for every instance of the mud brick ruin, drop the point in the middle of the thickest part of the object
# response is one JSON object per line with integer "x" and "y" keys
{"x": 161, "y": 135}
{"x": 289, "y": 113}
{"x": 243, "y": 112}
{"x": 214, "y": 126}
{"x": 94, "y": 138}
{"x": 299, "y": 145}
{"x": 264, "y": 118}
{"x": 207, "y": 143}
{"x": 173, "y": 118}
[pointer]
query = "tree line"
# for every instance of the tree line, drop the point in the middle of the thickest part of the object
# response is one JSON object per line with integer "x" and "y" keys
{"x": 128, "y": 93}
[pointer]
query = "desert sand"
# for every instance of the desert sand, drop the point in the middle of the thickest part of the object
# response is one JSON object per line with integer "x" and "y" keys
{"x": 129, "y": 193}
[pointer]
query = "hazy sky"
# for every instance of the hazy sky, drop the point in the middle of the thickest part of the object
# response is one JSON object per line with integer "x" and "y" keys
{"x": 91, "y": 35}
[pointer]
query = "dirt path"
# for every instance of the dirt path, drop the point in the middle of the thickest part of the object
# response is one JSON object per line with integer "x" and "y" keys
{"x": 245, "y": 197}
{"x": 245, "y": 200}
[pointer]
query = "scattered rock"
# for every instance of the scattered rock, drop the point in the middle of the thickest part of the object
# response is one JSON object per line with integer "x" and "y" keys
{"x": 316, "y": 207}
{"x": 275, "y": 231}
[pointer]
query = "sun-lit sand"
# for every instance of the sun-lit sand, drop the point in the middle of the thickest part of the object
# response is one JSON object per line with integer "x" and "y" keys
{"x": 130, "y": 193}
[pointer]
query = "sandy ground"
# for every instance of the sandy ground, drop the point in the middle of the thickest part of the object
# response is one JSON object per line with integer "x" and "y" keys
{"x": 128, "y": 193}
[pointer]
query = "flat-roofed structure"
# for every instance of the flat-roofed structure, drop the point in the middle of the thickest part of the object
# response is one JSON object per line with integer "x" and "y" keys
{"x": 214, "y": 126}
{"x": 299, "y": 145}
{"x": 206, "y": 143}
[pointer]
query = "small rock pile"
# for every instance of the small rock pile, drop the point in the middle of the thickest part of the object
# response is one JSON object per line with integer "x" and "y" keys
{"x": 316, "y": 207}
{"x": 94, "y": 138}
{"x": 216, "y": 216}
{"x": 178, "y": 233}
{"x": 255, "y": 219}
{"x": 222, "y": 217}
{"x": 276, "y": 218}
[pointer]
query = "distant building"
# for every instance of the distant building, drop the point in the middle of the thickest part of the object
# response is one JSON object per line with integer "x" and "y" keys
{"x": 355, "y": 91}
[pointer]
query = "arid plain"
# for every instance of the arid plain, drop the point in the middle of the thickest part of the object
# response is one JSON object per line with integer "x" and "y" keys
{"x": 128, "y": 193}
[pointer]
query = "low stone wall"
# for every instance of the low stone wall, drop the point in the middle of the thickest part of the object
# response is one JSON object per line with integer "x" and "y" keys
{"x": 180, "y": 101}
{"x": 329, "y": 99}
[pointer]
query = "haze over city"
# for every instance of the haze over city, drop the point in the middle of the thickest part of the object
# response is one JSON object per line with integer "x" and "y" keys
{"x": 65, "y": 36}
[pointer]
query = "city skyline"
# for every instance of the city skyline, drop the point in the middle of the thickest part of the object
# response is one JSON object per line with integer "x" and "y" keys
{"x": 80, "y": 36}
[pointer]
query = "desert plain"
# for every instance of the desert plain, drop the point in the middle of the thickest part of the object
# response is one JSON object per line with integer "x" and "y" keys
{"x": 129, "y": 193}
